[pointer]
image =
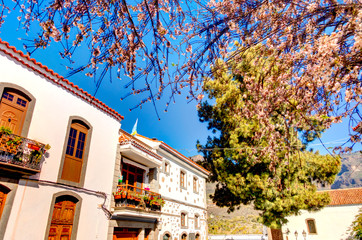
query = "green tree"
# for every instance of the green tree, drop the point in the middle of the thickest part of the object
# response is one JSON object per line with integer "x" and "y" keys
{"x": 242, "y": 157}
{"x": 356, "y": 229}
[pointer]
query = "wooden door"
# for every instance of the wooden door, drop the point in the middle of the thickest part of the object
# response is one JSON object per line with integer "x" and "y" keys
{"x": 73, "y": 161}
{"x": 3, "y": 193}
{"x": 62, "y": 220}
{"x": 13, "y": 108}
{"x": 125, "y": 234}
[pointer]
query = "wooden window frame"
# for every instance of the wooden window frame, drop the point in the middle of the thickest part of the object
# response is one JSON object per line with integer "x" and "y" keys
{"x": 183, "y": 220}
{"x": 30, "y": 106}
{"x": 183, "y": 179}
{"x": 315, "y": 226}
{"x": 184, "y": 233}
{"x": 195, "y": 184}
{"x": 76, "y": 213}
{"x": 166, "y": 167}
{"x": 136, "y": 174}
{"x": 197, "y": 221}
{"x": 167, "y": 233}
{"x": 76, "y": 119}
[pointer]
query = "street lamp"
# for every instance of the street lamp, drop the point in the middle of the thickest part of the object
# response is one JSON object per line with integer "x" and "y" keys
{"x": 296, "y": 234}
{"x": 287, "y": 231}
{"x": 304, "y": 234}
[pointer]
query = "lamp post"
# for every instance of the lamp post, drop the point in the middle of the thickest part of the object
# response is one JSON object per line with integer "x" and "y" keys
{"x": 296, "y": 235}
{"x": 304, "y": 235}
{"x": 287, "y": 233}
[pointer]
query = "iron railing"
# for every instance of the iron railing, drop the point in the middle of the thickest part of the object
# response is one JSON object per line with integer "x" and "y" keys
{"x": 132, "y": 196}
{"x": 20, "y": 151}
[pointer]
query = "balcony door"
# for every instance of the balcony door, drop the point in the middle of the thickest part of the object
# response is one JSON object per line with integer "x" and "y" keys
{"x": 132, "y": 176}
{"x": 13, "y": 107}
{"x": 125, "y": 234}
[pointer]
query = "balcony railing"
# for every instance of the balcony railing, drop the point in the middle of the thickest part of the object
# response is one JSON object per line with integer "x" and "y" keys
{"x": 19, "y": 154}
{"x": 131, "y": 196}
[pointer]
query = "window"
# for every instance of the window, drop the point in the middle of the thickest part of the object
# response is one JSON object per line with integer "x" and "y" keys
{"x": 132, "y": 176}
{"x": 167, "y": 236}
{"x": 195, "y": 183}
{"x": 13, "y": 109}
{"x": 197, "y": 221}
{"x": 183, "y": 220}
{"x": 76, "y": 144}
{"x": 166, "y": 168}
{"x": 61, "y": 225}
{"x": 311, "y": 226}
{"x": 183, "y": 179}
{"x": 197, "y": 237}
{"x": 75, "y": 153}
{"x": 184, "y": 236}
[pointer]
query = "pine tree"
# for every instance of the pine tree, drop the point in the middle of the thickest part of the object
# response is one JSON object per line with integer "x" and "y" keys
{"x": 252, "y": 166}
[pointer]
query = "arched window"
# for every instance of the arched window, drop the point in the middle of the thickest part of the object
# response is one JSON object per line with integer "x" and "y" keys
{"x": 62, "y": 221}
{"x": 76, "y": 145}
{"x": 197, "y": 237}
{"x": 197, "y": 219}
{"x": 3, "y": 194}
{"x": 184, "y": 236}
{"x": 13, "y": 108}
{"x": 166, "y": 236}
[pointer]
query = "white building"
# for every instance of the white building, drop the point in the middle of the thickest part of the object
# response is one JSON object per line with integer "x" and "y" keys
{"x": 154, "y": 170}
{"x": 60, "y": 194}
{"x": 332, "y": 222}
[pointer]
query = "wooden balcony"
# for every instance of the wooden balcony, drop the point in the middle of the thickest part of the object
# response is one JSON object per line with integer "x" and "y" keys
{"x": 131, "y": 197}
{"x": 19, "y": 155}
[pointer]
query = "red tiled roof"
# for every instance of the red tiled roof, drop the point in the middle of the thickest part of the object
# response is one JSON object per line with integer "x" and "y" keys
{"x": 127, "y": 138}
{"x": 186, "y": 159}
{"x": 345, "y": 196}
{"x": 178, "y": 154}
{"x": 56, "y": 78}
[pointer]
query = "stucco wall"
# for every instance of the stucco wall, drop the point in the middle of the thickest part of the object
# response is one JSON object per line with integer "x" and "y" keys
{"x": 180, "y": 200}
{"x": 332, "y": 222}
{"x": 54, "y": 106}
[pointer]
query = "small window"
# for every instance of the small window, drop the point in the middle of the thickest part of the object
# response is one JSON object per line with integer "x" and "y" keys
{"x": 184, "y": 236}
{"x": 195, "y": 184}
{"x": 166, "y": 237}
{"x": 183, "y": 220}
{"x": 197, "y": 237}
{"x": 8, "y": 96}
{"x": 197, "y": 221}
{"x": 183, "y": 179}
{"x": 166, "y": 168}
{"x": 311, "y": 226}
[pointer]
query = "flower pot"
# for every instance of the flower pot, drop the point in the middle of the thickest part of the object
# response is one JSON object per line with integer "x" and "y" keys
{"x": 33, "y": 146}
{"x": 117, "y": 196}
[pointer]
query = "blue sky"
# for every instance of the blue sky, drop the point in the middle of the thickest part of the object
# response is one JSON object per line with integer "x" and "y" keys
{"x": 179, "y": 127}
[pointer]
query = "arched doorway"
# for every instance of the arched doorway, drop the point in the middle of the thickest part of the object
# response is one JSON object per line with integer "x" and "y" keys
{"x": 13, "y": 108}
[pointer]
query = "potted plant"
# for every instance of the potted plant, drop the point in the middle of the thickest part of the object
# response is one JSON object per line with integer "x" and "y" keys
{"x": 34, "y": 146}
{"x": 5, "y": 131}
{"x": 35, "y": 156}
{"x": 118, "y": 195}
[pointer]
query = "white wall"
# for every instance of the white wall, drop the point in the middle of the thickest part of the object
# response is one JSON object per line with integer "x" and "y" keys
{"x": 53, "y": 107}
{"x": 332, "y": 223}
{"x": 182, "y": 200}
